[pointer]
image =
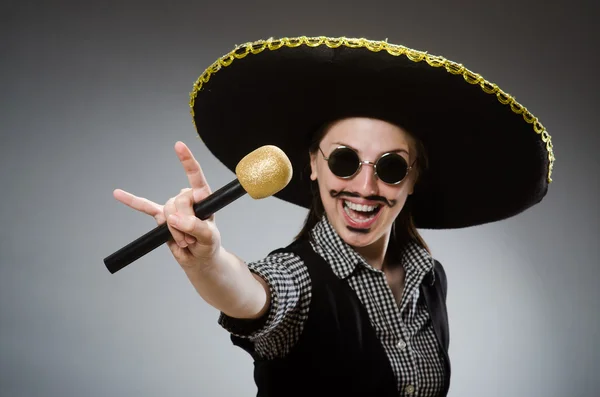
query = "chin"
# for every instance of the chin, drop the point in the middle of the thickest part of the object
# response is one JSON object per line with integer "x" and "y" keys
{"x": 357, "y": 241}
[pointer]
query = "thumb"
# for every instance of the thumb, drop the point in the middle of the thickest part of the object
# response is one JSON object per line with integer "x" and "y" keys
{"x": 205, "y": 233}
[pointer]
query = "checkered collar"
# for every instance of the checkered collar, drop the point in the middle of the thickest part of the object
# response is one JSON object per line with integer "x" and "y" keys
{"x": 344, "y": 259}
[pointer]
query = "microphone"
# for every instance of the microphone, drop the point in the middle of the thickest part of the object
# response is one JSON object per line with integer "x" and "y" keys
{"x": 261, "y": 173}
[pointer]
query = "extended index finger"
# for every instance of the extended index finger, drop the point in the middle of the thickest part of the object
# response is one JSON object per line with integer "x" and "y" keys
{"x": 139, "y": 203}
{"x": 193, "y": 171}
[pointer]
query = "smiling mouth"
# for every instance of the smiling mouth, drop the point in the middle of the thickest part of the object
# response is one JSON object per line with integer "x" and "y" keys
{"x": 361, "y": 214}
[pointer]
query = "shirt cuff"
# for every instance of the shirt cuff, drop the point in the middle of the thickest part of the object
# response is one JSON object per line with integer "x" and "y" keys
{"x": 284, "y": 297}
{"x": 244, "y": 327}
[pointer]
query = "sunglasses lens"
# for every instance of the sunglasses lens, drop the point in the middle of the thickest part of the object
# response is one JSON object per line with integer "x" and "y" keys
{"x": 392, "y": 168}
{"x": 343, "y": 162}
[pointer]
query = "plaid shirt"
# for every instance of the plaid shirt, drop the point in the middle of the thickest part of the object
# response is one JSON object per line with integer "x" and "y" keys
{"x": 405, "y": 331}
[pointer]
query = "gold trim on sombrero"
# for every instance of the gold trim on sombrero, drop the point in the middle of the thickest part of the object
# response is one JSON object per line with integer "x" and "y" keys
{"x": 241, "y": 51}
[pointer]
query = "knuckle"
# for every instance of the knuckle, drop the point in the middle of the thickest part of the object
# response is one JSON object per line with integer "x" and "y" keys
{"x": 205, "y": 233}
{"x": 168, "y": 209}
{"x": 178, "y": 237}
{"x": 185, "y": 224}
{"x": 182, "y": 199}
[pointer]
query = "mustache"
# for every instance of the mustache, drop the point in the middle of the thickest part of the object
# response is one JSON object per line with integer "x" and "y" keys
{"x": 381, "y": 199}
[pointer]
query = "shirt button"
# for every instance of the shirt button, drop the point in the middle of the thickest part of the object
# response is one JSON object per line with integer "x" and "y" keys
{"x": 402, "y": 345}
{"x": 410, "y": 390}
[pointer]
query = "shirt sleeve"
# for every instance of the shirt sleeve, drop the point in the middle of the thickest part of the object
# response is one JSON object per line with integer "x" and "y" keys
{"x": 279, "y": 329}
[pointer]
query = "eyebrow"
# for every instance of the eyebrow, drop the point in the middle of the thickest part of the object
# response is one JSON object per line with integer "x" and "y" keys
{"x": 387, "y": 151}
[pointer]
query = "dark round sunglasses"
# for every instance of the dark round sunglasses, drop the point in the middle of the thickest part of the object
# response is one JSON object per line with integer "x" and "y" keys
{"x": 390, "y": 167}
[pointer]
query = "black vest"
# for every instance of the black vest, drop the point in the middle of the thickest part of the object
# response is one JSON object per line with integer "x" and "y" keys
{"x": 338, "y": 353}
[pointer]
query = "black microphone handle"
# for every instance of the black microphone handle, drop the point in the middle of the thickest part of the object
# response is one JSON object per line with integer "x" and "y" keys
{"x": 161, "y": 234}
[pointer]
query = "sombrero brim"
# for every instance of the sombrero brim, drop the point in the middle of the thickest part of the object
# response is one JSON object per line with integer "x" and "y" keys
{"x": 489, "y": 157}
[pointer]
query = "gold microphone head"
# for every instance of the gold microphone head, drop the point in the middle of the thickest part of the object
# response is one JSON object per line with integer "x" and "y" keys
{"x": 264, "y": 171}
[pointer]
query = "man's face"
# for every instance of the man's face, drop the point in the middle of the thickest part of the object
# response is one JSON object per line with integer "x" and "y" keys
{"x": 363, "y": 208}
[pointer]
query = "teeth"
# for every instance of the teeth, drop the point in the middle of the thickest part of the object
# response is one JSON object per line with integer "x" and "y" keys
{"x": 355, "y": 219}
{"x": 359, "y": 207}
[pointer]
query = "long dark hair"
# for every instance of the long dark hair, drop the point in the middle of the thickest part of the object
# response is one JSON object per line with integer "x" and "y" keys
{"x": 403, "y": 228}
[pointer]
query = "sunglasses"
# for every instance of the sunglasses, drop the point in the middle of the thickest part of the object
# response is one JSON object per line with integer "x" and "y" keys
{"x": 390, "y": 168}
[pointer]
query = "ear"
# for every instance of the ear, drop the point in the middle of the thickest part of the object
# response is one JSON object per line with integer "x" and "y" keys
{"x": 411, "y": 183}
{"x": 313, "y": 166}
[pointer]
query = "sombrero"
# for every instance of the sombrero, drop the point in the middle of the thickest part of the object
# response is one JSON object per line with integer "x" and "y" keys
{"x": 489, "y": 157}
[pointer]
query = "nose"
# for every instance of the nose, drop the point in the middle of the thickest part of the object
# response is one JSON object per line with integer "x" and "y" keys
{"x": 366, "y": 181}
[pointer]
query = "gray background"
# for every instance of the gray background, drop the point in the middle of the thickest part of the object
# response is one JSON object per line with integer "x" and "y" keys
{"x": 95, "y": 94}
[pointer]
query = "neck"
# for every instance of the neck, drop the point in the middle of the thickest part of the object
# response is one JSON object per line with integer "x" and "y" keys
{"x": 375, "y": 253}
